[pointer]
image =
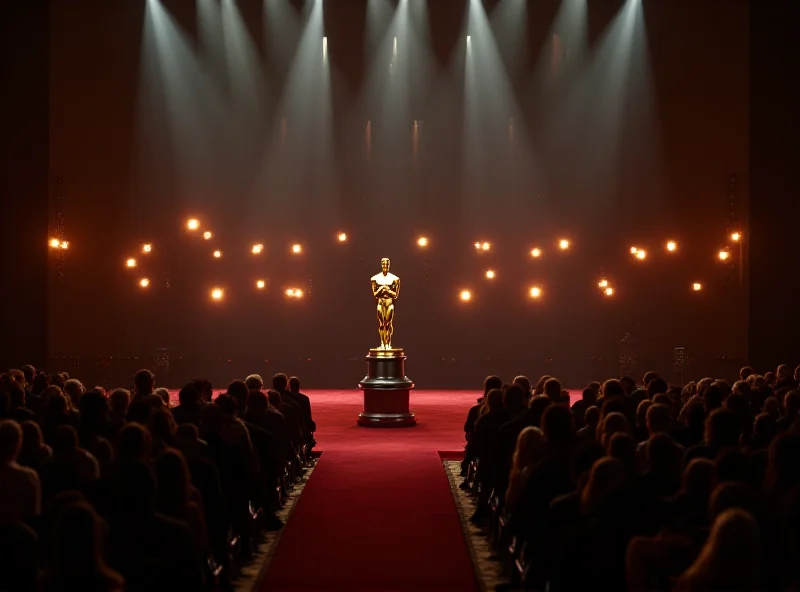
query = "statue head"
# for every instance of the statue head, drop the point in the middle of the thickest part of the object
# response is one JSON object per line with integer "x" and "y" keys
{"x": 385, "y": 264}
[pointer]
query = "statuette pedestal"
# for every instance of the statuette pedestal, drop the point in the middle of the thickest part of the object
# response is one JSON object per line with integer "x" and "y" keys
{"x": 386, "y": 390}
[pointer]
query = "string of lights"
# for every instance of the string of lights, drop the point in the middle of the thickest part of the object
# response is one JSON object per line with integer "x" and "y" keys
{"x": 639, "y": 254}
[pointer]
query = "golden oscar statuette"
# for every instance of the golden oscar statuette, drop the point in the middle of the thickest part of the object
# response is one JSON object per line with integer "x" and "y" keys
{"x": 386, "y": 387}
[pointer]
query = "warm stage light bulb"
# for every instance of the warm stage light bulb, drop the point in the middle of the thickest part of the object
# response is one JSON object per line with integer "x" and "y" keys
{"x": 723, "y": 255}
{"x": 260, "y": 284}
{"x": 489, "y": 274}
{"x": 217, "y": 254}
{"x": 535, "y": 292}
{"x": 422, "y": 241}
{"x": 563, "y": 244}
{"x": 297, "y": 249}
{"x": 64, "y": 245}
{"x": 294, "y": 293}
{"x": 193, "y": 224}
{"x": 207, "y": 235}
{"x": 54, "y": 243}
{"x": 130, "y": 262}
{"x": 144, "y": 282}
{"x": 634, "y": 250}
{"x": 672, "y": 246}
{"x": 465, "y": 295}
{"x": 602, "y": 283}
{"x": 641, "y": 254}
{"x": 697, "y": 286}
{"x": 536, "y": 252}
{"x": 736, "y": 236}
{"x": 609, "y": 291}
{"x": 257, "y": 249}
{"x": 217, "y": 294}
{"x": 342, "y": 237}
{"x": 147, "y": 248}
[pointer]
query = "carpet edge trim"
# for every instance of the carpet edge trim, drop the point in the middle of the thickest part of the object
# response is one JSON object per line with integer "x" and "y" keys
{"x": 266, "y": 561}
{"x": 464, "y": 522}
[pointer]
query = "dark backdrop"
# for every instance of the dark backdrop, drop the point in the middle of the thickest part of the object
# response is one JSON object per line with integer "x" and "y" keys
{"x": 112, "y": 199}
{"x": 775, "y": 186}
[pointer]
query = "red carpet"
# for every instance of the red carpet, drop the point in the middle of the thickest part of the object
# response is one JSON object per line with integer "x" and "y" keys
{"x": 377, "y": 513}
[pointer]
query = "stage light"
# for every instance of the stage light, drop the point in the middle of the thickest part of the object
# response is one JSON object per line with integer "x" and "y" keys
{"x": 297, "y": 248}
{"x": 54, "y": 243}
{"x": 609, "y": 291}
{"x": 483, "y": 246}
{"x": 489, "y": 274}
{"x": 536, "y": 252}
{"x": 207, "y": 235}
{"x": 131, "y": 263}
{"x": 144, "y": 282}
{"x": 217, "y": 294}
{"x": 294, "y": 293}
{"x": 257, "y": 249}
{"x": 465, "y": 295}
{"x": 697, "y": 286}
{"x": 724, "y": 255}
{"x": 535, "y": 292}
{"x": 563, "y": 244}
{"x": 422, "y": 241}
{"x": 641, "y": 254}
{"x": 634, "y": 250}
{"x": 147, "y": 248}
{"x": 603, "y": 283}
{"x": 193, "y": 224}
{"x": 736, "y": 236}
{"x": 260, "y": 284}
{"x": 672, "y": 246}
{"x": 217, "y": 254}
{"x": 342, "y": 237}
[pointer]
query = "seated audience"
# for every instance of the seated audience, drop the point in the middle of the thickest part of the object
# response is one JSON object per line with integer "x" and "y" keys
{"x": 652, "y": 492}
{"x": 20, "y": 493}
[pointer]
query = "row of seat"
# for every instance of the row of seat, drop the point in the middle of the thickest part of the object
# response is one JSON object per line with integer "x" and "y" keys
{"x": 242, "y": 546}
{"x": 506, "y": 547}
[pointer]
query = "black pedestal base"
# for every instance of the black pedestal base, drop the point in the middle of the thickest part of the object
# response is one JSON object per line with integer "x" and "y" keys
{"x": 386, "y": 391}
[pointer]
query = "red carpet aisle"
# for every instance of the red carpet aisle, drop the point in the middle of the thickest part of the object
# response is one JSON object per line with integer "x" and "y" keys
{"x": 377, "y": 513}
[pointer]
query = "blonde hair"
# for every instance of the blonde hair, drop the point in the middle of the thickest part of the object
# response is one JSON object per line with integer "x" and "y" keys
{"x": 731, "y": 558}
{"x": 529, "y": 451}
{"x": 607, "y": 475}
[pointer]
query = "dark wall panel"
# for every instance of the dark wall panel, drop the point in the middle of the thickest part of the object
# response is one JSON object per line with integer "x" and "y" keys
{"x": 24, "y": 101}
{"x": 775, "y": 184}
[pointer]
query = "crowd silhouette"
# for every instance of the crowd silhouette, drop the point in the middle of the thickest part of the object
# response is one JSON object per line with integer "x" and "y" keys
{"x": 640, "y": 487}
{"x": 118, "y": 490}
{"x": 631, "y": 487}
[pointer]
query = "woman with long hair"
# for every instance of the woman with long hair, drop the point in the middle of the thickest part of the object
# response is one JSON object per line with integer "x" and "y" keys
{"x": 731, "y": 558}
{"x": 528, "y": 454}
{"x": 177, "y": 498}
{"x": 78, "y": 562}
